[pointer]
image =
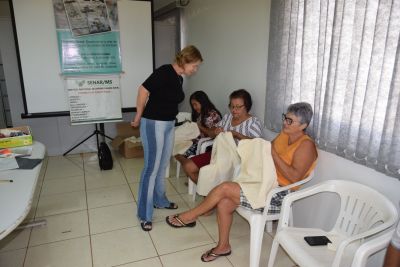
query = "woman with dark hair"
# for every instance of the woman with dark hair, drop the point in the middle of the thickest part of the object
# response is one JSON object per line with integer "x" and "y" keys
{"x": 156, "y": 108}
{"x": 239, "y": 122}
{"x": 206, "y": 115}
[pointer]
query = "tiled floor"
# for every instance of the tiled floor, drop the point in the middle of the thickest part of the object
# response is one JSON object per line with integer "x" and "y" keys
{"x": 91, "y": 221}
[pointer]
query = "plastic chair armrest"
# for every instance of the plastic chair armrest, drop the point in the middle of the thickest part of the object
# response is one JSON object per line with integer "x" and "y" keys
{"x": 203, "y": 143}
{"x": 284, "y": 188}
{"x": 371, "y": 246}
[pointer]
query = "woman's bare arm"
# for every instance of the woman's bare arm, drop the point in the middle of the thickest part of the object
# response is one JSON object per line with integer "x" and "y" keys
{"x": 141, "y": 100}
{"x": 303, "y": 158}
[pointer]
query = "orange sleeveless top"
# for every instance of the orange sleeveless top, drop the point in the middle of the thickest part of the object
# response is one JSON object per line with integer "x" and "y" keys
{"x": 286, "y": 152}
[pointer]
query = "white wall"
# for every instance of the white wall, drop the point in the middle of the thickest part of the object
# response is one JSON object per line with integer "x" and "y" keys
{"x": 232, "y": 36}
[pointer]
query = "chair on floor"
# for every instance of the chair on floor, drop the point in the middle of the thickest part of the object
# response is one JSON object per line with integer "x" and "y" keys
{"x": 258, "y": 221}
{"x": 180, "y": 118}
{"x": 363, "y": 216}
{"x": 370, "y": 247}
{"x": 202, "y": 146}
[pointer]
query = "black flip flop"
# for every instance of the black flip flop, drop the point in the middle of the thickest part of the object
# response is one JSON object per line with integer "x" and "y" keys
{"x": 172, "y": 206}
{"x": 146, "y": 226}
{"x": 215, "y": 256}
{"x": 181, "y": 223}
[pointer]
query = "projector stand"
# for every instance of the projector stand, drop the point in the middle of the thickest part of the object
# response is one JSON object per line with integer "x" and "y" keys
{"x": 96, "y": 132}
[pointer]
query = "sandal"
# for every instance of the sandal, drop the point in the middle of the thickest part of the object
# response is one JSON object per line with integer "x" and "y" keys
{"x": 181, "y": 223}
{"x": 215, "y": 256}
{"x": 146, "y": 226}
{"x": 172, "y": 206}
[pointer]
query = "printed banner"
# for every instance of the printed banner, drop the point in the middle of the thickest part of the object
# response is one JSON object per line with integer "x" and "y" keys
{"x": 88, "y": 36}
{"x": 94, "y": 99}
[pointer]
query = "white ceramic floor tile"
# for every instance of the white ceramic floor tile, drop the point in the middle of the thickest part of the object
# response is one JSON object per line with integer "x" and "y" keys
{"x": 61, "y": 203}
{"x": 104, "y": 179}
{"x": 132, "y": 163}
{"x": 111, "y": 218}
{"x": 14, "y": 258}
{"x": 189, "y": 199}
{"x": 241, "y": 249}
{"x": 179, "y": 184}
{"x": 94, "y": 168}
{"x": 61, "y": 227}
{"x": 66, "y": 185}
{"x": 60, "y": 167}
{"x": 15, "y": 240}
{"x": 121, "y": 246}
{"x": 191, "y": 257}
{"x": 153, "y": 262}
{"x": 239, "y": 227}
{"x": 168, "y": 240}
{"x": 90, "y": 157}
{"x": 67, "y": 253}
{"x": 133, "y": 174}
{"x": 109, "y": 196}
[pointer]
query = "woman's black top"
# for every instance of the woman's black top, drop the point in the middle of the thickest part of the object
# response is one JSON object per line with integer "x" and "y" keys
{"x": 165, "y": 87}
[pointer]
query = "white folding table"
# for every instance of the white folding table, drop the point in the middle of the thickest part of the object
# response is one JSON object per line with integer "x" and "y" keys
{"x": 16, "y": 196}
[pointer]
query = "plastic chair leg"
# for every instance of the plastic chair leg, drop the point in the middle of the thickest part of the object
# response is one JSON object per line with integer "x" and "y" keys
{"x": 272, "y": 254}
{"x": 256, "y": 237}
{"x": 192, "y": 188}
{"x": 167, "y": 171}
{"x": 178, "y": 169}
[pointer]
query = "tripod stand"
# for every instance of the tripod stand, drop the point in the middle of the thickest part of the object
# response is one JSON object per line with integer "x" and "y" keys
{"x": 96, "y": 132}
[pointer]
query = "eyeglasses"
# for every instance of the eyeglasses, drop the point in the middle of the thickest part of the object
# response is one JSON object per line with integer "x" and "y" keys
{"x": 288, "y": 120}
{"x": 235, "y": 107}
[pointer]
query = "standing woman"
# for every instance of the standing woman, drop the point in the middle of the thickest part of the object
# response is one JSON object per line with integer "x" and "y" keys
{"x": 156, "y": 108}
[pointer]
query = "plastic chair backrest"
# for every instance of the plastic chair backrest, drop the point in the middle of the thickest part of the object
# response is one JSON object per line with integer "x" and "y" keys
{"x": 182, "y": 116}
{"x": 361, "y": 208}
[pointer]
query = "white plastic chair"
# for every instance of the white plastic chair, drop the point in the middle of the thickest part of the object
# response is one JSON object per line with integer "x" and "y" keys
{"x": 258, "y": 221}
{"x": 370, "y": 247}
{"x": 201, "y": 148}
{"x": 364, "y": 213}
{"x": 181, "y": 117}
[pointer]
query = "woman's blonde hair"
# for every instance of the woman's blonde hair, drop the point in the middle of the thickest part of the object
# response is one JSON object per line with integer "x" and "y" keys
{"x": 189, "y": 54}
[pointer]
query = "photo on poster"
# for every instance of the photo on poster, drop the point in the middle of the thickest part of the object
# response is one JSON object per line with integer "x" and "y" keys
{"x": 81, "y": 50}
{"x": 87, "y": 16}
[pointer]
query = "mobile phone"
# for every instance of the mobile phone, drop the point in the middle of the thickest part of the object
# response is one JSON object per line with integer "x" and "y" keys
{"x": 317, "y": 240}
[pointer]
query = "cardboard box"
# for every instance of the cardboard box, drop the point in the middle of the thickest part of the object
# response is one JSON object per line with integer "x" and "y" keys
{"x": 131, "y": 150}
{"x": 126, "y": 148}
{"x": 15, "y": 141}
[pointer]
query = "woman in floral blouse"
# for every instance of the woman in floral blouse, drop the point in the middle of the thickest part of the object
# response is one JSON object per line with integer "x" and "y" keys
{"x": 206, "y": 116}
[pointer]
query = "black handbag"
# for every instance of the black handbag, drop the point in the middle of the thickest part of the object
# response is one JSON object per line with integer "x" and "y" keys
{"x": 105, "y": 158}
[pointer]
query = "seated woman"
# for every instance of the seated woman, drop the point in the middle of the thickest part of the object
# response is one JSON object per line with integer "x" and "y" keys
{"x": 239, "y": 122}
{"x": 206, "y": 115}
{"x": 294, "y": 154}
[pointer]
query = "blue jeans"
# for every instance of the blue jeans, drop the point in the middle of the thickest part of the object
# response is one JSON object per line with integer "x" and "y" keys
{"x": 157, "y": 140}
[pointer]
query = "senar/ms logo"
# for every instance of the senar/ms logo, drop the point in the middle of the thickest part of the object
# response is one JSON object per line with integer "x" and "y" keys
{"x": 100, "y": 82}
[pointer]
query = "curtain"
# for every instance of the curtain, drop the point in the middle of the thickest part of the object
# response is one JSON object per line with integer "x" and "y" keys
{"x": 343, "y": 57}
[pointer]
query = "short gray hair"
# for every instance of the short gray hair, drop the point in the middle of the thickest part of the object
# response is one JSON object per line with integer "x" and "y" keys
{"x": 303, "y": 110}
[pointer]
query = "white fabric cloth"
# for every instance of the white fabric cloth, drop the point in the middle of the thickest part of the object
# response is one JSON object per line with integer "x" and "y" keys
{"x": 184, "y": 134}
{"x": 257, "y": 171}
{"x": 224, "y": 160}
